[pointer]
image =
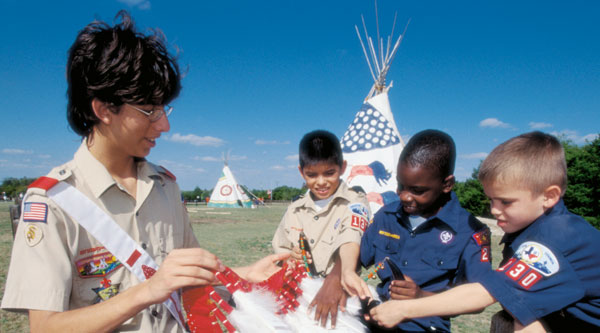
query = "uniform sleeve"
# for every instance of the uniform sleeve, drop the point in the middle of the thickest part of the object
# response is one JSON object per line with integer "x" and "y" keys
{"x": 281, "y": 243}
{"x": 476, "y": 259}
{"x": 354, "y": 223}
{"x": 535, "y": 282}
{"x": 41, "y": 269}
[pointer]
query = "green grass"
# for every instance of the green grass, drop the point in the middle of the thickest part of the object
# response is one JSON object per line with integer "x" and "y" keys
{"x": 238, "y": 237}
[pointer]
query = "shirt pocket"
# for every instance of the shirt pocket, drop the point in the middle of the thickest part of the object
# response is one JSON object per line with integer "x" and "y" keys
{"x": 441, "y": 260}
{"x": 386, "y": 247}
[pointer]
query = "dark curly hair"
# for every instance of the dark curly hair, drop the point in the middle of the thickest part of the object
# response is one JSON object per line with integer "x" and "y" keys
{"x": 118, "y": 65}
{"x": 432, "y": 149}
{"x": 320, "y": 146}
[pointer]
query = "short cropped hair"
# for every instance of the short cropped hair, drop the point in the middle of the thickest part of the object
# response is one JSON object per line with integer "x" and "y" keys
{"x": 431, "y": 149}
{"x": 320, "y": 146}
{"x": 117, "y": 65}
{"x": 533, "y": 160}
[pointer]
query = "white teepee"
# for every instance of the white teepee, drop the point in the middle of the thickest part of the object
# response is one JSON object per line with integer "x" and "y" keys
{"x": 372, "y": 143}
{"x": 228, "y": 193}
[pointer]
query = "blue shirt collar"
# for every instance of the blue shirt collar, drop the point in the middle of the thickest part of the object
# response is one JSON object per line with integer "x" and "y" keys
{"x": 448, "y": 214}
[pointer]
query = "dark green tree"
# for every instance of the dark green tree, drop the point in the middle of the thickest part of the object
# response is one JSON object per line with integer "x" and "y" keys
{"x": 286, "y": 192}
{"x": 582, "y": 196}
{"x": 471, "y": 196}
{"x": 13, "y": 186}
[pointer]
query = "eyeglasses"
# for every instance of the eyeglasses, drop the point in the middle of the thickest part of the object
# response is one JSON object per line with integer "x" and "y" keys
{"x": 155, "y": 114}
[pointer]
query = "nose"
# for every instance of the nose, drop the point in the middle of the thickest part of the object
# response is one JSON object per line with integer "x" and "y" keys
{"x": 405, "y": 196}
{"x": 321, "y": 180}
{"x": 162, "y": 124}
{"x": 494, "y": 210}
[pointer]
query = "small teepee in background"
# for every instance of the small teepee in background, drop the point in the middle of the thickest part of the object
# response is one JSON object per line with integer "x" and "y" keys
{"x": 372, "y": 143}
{"x": 228, "y": 193}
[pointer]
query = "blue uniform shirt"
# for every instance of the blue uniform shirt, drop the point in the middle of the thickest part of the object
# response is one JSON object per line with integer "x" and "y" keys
{"x": 450, "y": 247}
{"x": 553, "y": 264}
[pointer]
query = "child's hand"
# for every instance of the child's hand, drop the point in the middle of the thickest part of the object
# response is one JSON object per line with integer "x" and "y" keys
{"x": 387, "y": 314}
{"x": 404, "y": 289}
{"x": 297, "y": 255}
{"x": 355, "y": 286}
{"x": 330, "y": 296}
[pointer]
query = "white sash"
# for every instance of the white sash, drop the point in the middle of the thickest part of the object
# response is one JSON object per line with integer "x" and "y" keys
{"x": 110, "y": 234}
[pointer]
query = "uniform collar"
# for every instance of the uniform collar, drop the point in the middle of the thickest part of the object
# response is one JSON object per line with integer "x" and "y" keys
{"x": 341, "y": 192}
{"x": 98, "y": 178}
{"x": 447, "y": 214}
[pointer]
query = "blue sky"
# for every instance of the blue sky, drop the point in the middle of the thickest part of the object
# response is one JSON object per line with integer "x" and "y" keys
{"x": 260, "y": 74}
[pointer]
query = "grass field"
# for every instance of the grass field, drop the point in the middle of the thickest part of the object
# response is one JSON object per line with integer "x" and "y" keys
{"x": 238, "y": 237}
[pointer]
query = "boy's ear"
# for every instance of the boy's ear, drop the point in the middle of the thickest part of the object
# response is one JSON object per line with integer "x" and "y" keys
{"x": 448, "y": 183}
{"x": 300, "y": 169}
{"x": 343, "y": 169}
{"x": 102, "y": 111}
{"x": 551, "y": 196}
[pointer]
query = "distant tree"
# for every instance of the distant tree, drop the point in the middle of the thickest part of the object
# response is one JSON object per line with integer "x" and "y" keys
{"x": 13, "y": 186}
{"x": 582, "y": 196}
{"x": 286, "y": 192}
{"x": 471, "y": 196}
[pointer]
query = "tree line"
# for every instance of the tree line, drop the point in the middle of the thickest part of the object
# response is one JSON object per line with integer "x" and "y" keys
{"x": 582, "y": 196}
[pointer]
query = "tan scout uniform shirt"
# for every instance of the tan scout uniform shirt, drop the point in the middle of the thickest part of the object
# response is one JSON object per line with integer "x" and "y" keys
{"x": 59, "y": 266}
{"x": 342, "y": 221}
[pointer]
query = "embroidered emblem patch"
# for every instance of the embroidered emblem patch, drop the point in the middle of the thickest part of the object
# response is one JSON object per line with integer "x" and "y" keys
{"x": 33, "y": 235}
{"x": 482, "y": 237}
{"x": 446, "y": 236}
{"x": 538, "y": 257}
{"x": 485, "y": 253}
{"x": 106, "y": 291}
{"x": 97, "y": 265}
{"x": 359, "y": 209}
{"x": 359, "y": 222}
{"x": 35, "y": 212}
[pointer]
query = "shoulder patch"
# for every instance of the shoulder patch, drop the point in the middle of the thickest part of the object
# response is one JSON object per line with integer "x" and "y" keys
{"x": 359, "y": 209}
{"x": 45, "y": 183}
{"x": 35, "y": 212}
{"x": 166, "y": 172}
{"x": 538, "y": 257}
{"x": 482, "y": 237}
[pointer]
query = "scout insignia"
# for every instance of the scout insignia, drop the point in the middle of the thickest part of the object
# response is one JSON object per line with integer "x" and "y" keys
{"x": 105, "y": 291}
{"x": 482, "y": 237}
{"x": 359, "y": 209}
{"x": 35, "y": 212}
{"x": 538, "y": 257}
{"x": 446, "y": 236}
{"x": 97, "y": 265}
{"x": 33, "y": 235}
{"x": 359, "y": 222}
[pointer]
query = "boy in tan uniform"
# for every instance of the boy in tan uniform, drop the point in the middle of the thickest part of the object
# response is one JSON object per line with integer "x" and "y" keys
{"x": 61, "y": 271}
{"x": 332, "y": 216}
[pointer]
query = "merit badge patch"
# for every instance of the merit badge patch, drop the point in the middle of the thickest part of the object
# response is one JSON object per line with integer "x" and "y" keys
{"x": 97, "y": 265}
{"x": 359, "y": 209}
{"x": 538, "y": 257}
{"x": 105, "y": 291}
{"x": 148, "y": 271}
{"x": 359, "y": 222}
{"x": 35, "y": 212}
{"x": 446, "y": 236}
{"x": 33, "y": 235}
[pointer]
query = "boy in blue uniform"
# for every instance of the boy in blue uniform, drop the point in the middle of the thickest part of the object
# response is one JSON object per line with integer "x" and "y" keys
{"x": 549, "y": 277}
{"x": 427, "y": 234}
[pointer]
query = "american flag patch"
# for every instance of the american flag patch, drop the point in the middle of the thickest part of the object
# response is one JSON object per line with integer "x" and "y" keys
{"x": 35, "y": 212}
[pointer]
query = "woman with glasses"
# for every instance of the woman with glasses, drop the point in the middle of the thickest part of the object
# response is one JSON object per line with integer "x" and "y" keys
{"x": 104, "y": 243}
